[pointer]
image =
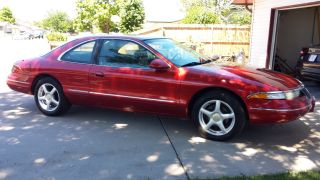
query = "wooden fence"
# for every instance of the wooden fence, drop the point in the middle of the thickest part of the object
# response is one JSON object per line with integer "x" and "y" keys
{"x": 223, "y": 40}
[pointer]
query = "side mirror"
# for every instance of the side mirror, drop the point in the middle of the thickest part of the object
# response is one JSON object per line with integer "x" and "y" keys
{"x": 159, "y": 65}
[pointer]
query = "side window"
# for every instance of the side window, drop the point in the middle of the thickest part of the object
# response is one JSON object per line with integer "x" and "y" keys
{"x": 121, "y": 53}
{"x": 80, "y": 54}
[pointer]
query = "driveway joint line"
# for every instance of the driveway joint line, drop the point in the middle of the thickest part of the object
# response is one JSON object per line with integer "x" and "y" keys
{"x": 174, "y": 149}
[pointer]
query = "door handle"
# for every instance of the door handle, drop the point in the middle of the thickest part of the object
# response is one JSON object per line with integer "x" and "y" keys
{"x": 99, "y": 74}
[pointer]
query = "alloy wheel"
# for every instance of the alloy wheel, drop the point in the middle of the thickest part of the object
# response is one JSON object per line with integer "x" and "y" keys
{"x": 216, "y": 117}
{"x": 48, "y": 97}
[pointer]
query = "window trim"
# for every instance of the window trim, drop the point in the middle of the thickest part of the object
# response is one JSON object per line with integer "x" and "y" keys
{"x": 101, "y": 40}
{"x": 92, "y": 61}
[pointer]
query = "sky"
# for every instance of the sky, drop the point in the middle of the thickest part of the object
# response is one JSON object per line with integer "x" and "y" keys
{"x": 35, "y": 10}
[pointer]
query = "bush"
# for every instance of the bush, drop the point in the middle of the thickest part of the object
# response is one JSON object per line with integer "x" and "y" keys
{"x": 56, "y": 36}
{"x": 200, "y": 15}
{"x": 241, "y": 18}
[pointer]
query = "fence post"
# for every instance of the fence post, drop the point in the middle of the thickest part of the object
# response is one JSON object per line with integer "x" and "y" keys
{"x": 211, "y": 54}
{"x": 163, "y": 32}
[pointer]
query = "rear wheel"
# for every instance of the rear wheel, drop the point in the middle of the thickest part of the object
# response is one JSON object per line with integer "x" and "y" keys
{"x": 49, "y": 97}
{"x": 219, "y": 115}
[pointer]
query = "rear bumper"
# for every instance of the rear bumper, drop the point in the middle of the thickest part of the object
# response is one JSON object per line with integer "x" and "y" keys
{"x": 19, "y": 84}
{"x": 266, "y": 115}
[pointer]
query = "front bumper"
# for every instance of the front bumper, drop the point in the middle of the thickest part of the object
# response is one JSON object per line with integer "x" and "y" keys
{"x": 280, "y": 111}
{"x": 266, "y": 115}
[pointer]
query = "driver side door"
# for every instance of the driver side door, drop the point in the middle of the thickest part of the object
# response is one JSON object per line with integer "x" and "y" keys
{"x": 122, "y": 79}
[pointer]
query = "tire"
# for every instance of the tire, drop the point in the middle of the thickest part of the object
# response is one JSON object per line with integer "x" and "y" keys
{"x": 219, "y": 115}
{"x": 50, "y": 98}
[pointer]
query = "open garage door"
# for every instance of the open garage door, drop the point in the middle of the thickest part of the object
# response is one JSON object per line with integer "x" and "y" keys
{"x": 295, "y": 40}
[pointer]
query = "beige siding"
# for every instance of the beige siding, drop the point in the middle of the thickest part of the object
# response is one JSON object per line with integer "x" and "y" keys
{"x": 260, "y": 27}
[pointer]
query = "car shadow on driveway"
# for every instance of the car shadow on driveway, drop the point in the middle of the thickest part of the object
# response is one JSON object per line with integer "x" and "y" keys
{"x": 92, "y": 142}
{"x": 85, "y": 143}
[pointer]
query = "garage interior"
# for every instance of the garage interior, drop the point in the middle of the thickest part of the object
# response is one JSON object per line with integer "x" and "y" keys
{"x": 295, "y": 29}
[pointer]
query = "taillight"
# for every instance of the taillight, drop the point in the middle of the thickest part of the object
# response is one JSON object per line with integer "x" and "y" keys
{"x": 15, "y": 69}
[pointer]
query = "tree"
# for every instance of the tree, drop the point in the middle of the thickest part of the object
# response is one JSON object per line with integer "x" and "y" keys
{"x": 240, "y": 17}
{"x": 131, "y": 14}
{"x": 93, "y": 14}
{"x": 199, "y": 15}
{"x": 223, "y": 10}
{"x": 6, "y": 15}
{"x": 57, "y": 21}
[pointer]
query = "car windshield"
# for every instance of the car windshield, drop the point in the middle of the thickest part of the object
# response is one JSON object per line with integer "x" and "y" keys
{"x": 177, "y": 53}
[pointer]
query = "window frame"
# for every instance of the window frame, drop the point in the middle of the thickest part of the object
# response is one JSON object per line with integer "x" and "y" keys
{"x": 100, "y": 44}
{"x": 93, "y": 55}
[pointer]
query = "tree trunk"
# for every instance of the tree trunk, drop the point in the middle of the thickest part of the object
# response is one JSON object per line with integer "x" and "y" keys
{"x": 107, "y": 28}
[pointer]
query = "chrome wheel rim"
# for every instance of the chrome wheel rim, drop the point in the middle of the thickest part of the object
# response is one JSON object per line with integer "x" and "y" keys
{"x": 48, "y": 97}
{"x": 216, "y": 117}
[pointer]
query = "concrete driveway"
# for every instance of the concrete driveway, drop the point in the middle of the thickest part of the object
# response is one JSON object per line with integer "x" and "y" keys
{"x": 92, "y": 143}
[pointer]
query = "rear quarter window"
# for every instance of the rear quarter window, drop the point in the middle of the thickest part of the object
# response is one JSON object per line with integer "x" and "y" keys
{"x": 80, "y": 54}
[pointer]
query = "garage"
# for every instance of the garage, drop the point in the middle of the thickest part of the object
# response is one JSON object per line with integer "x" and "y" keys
{"x": 280, "y": 30}
{"x": 295, "y": 34}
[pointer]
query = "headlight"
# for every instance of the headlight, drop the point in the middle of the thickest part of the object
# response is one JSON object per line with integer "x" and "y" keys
{"x": 276, "y": 95}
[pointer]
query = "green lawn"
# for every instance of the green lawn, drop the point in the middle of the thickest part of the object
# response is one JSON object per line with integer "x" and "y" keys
{"x": 307, "y": 175}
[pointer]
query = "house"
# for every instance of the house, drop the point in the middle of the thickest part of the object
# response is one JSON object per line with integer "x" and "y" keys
{"x": 280, "y": 29}
{"x": 4, "y": 26}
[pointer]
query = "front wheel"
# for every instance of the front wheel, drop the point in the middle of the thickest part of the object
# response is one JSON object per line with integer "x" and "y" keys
{"x": 219, "y": 115}
{"x": 49, "y": 97}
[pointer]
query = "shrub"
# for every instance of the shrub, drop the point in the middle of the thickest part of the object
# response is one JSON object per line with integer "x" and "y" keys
{"x": 56, "y": 36}
{"x": 200, "y": 15}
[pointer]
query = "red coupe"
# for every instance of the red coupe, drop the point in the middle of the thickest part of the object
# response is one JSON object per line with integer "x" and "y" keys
{"x": 158, "y": 75}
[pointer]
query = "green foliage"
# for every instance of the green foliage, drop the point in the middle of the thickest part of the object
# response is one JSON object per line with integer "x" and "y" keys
{"x": 199, "y": 15}
{"x": 219, "y": 11}
{"x": 93, "y": 14}
{"x": 131, "y": 14}
{"x": 6, "y": 15}
{"x": 241, "y": 17}
{"x": 56, "y": 36}
{"x": 57, "y": 21}
{"x": 104, "y": 11}
{"x": 86, "y": 11}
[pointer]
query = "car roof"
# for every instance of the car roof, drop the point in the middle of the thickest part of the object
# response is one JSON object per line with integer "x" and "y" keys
{"x": 133, "y": 37}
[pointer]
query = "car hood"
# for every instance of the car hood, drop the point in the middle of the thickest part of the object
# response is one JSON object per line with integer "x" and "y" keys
{"x": 266, "y": 79}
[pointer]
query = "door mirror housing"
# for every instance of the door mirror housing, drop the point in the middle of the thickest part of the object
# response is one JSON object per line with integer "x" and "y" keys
{"x": 159, "y": 65}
